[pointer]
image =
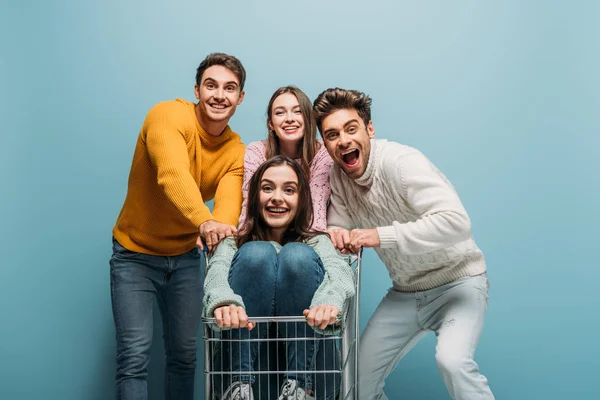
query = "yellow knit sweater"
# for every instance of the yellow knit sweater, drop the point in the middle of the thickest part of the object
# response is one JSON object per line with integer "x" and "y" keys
{"x": 176, "y": 167}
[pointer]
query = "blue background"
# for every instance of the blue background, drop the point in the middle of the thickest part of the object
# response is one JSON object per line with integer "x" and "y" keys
{"x": 500, "y": 96}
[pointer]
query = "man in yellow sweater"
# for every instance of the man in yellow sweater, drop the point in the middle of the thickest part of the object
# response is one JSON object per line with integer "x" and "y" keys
{"x": 186, "y": 154}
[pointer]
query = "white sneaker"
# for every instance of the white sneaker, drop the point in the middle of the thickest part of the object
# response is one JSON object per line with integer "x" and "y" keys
{"x": 291, "y": 391}
{"x": 238, "y": 391}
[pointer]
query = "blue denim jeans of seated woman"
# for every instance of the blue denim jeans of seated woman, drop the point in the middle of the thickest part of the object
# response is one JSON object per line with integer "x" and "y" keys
{"x": 274, "y": 284}
{"x": 136, "y": 280}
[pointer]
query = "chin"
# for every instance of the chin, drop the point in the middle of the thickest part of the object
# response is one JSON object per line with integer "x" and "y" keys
{"x": 353, "y": 173}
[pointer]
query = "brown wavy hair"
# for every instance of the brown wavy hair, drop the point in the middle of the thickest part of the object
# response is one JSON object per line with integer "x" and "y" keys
{"x": 309, "y": 144}
{"x": 255, "y": 228}
{"x": 334, "y": 99}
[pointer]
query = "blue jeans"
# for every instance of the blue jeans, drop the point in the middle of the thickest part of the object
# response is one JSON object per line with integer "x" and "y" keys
{"x": 275, "y": 284}
{"x": 136, "y": 279}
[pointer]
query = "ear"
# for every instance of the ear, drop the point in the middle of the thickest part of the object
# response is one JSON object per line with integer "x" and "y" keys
{"x": 241, "y": 98}
{"x": 371, "y": 130}
{"x": 270, "y": 124}
{"x": 197, "y": 92}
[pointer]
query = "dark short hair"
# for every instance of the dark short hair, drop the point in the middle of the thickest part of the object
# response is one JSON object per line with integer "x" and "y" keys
{"x": 334, "y": 99}
{"x": 225, "y": 60}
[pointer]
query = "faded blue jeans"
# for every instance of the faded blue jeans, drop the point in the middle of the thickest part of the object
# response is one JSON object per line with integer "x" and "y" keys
{"x": 136, "y": 280}
{"x": 454, "y": 312}
{"x": 274, "y": 284}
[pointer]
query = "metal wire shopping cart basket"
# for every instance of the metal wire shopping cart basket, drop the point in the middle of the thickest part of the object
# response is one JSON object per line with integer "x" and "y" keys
{"x": 335, "y": 371}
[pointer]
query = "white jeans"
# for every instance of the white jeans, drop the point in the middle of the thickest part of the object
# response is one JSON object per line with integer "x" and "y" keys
{"x": 454, "y": 311}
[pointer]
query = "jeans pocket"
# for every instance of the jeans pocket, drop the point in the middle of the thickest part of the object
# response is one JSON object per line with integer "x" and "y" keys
{"x": 122, "y": 252}
{"x": 482, "y": 284}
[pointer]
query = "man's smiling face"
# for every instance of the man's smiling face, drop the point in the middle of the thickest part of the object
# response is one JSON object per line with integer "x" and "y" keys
{"x": 218, "y": 95}
{"x": 348, "y": 140}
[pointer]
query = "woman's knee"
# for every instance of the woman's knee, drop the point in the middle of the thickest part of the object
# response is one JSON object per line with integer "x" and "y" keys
{"x": 255, "y": 257}
{"x": 298, "y": 258}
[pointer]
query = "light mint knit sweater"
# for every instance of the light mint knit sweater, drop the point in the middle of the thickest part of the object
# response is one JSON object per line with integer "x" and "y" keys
{"x": 336, "y": 289}
{"x": 424, "y": 230}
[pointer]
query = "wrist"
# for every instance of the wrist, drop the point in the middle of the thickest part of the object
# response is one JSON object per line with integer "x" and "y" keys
{"x": 203, "y": 222}
{"x": 387, "y": 236}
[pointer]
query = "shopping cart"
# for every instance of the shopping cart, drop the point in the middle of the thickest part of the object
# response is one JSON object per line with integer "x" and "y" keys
{"x": 335, "y": 372}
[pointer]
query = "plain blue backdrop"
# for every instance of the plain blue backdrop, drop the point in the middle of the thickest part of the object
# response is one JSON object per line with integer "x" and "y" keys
{"x": 502, "y": 96}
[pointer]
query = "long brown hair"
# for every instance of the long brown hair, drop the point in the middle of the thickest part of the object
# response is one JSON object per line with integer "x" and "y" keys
{"x": 255, "y": 228}
{"x": 308, "y": 143}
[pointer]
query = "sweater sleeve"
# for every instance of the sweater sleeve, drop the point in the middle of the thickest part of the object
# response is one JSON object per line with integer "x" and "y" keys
{"x": 167, "y": 150}
{"x": 217, "y": 291}
{"x": 254, "y": 157}
{"x": 337, "y": 213}
{"x": 442, "y": 220}
{"x": 228, "y": 197}
{"x": 319, "y": 188}
{"x": 337, "y": 287}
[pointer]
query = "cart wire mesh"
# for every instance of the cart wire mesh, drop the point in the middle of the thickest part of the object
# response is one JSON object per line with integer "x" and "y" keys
{"x": 332, "y": 370}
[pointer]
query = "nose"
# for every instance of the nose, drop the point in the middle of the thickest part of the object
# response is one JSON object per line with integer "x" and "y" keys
{"x": 289, "y": 117}
{"x": 219, "y": 94}
{"x": 277, "y": 198}
{"x": 344, "y": 140}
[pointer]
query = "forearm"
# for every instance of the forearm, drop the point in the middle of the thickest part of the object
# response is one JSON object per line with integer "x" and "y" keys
{"x": 337, "y": 215}
{"x": 338, "y": 283}
{"x": 181, "y": 190}
{"x": 427, "y": 234}
{"x": 320, "y": 190}
{"x": 217, "y": 291}
{"x": 253, "y": 157}
{"x": 439, "y": 218}
{"x": 228, "y": 197}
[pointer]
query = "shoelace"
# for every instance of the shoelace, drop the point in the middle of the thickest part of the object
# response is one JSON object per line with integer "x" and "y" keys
{"x": 288, "y": 389}
{"x": 241, "y": 392}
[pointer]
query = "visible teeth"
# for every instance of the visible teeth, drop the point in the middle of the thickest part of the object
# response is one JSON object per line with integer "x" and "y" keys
{"x": 347, "y": 152}
{"x": 290, "y": 128}
{"x": 277, "y": 210}
{"x": 218, "y": 105}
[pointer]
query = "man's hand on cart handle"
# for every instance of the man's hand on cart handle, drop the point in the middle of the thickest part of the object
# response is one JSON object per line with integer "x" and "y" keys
{"x": 212, "y": 232}
{"x": 350, "y": 242}
{"x": 232, "y": 316}
{"x": 363, "y": 238}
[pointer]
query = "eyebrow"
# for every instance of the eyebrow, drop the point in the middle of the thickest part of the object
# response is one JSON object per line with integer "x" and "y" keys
{"x": 215, "y": 81}
{"x": 283, "y": 108}
{"x": 285, "y": 183}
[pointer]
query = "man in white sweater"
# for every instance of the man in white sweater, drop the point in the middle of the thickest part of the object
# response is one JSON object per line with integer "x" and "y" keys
{"x": 391, "y": 197}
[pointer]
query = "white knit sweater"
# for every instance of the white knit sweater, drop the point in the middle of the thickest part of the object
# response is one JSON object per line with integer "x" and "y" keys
{"x": 424, "y": 229}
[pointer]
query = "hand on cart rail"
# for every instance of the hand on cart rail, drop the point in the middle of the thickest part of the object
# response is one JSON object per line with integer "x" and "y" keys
{"x": 232, "y": 316}
{"x": 322, "y": 316}
{"x": 350, "y": 242}
{"x": 211, "y": 232}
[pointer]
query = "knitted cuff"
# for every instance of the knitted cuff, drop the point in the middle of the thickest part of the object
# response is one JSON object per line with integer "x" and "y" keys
{"x": 387, "y": 236}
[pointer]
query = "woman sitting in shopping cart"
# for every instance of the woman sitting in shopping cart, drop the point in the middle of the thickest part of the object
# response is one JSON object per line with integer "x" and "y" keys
{"x": 276, "y": 266}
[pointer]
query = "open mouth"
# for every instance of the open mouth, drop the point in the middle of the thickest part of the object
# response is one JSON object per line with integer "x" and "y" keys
{"x": 277, "y": 210}
{"x": 290, "y": 129}
{"x": 350, "y": 158}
